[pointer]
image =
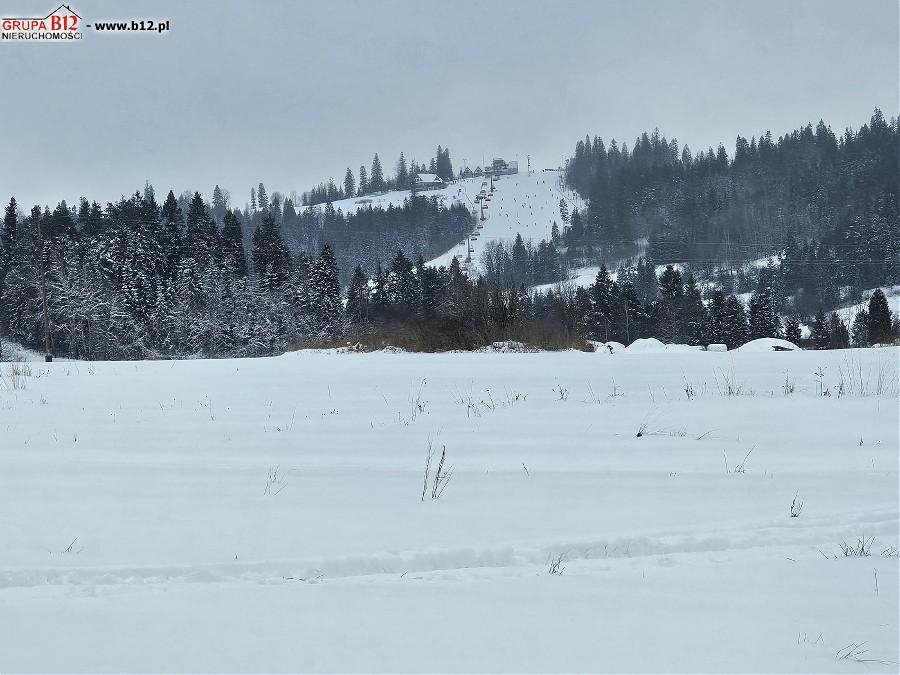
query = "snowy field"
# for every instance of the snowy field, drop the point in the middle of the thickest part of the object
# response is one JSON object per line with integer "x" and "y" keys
{"x": 268, "y": 515}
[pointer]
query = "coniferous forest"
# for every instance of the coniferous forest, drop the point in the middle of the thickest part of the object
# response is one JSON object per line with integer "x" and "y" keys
{"x": 182, "y": 276}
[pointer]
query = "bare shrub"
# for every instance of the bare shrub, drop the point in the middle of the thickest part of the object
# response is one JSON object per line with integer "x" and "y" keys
{"x": 441, "y": 477}
{"x": 728, "y": 384}
{"x": 862, "y": 548}
{"x": 796, "y": 505}
{"x": 16, "y": 376}
{"x": 274, "y": 481}
{"x": 555, "y": 564}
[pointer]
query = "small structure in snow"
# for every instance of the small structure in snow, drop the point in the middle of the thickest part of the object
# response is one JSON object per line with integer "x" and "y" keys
{"x": 428, "y": 181}
{"x": 717, "y": 347}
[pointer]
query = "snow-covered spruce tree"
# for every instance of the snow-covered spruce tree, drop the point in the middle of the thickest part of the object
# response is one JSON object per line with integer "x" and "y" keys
{"x": 326, "y": 295}
{"x": 363, "y": 181}
{"x": 860, "y": 329}
{"x": 838, "y": 333}
{"x": 405, "y": 289}
{"x": 792, "y": 331}
{"x": 262, "y": 199}
{"x": 693, "y": 312}
{"x": 736, "y": 329}
{"x": 349, "y": 183}
{"x": 220, "y": 199}
{"x": 671, "y": 296}
{"x": 201, "y": 237}
{"x": 714, "y": 327}
{"x": 402, "y": 173}
{"x": 9, "y": 234}
{"x": 604, "y": 295}
{"x": 879, "y": 318}
{"x": 376, "y": 178}
{"x": 271, "y": 259}
{"x": 358, "y": 298}
{"x": 821, "y": 336}
{"x": 172, "y": 224}
{"x": 232, "y": 239}
{"x": 764, "y": 320}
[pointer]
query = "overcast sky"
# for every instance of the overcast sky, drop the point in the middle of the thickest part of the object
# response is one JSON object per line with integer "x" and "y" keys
{"x": 290, "y": 93}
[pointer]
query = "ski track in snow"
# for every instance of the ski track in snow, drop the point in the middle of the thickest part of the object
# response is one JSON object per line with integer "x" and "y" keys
{"x": 798, "y": 536}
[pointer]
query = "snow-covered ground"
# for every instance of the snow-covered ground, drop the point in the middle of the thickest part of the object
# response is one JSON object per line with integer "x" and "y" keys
{"x": 267, "y": 515}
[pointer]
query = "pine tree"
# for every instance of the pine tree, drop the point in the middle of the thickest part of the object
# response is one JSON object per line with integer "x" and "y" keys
{"x": 376, "y": 178}
{"x": 261, "y": 198}
{"x": 10, "y": 232}
{"x": 363, "y": 181}
{"x": 219, "y": 203}
{"x": 693, "y": 312}
{"x": 170, "y": 236}
{"x": 838, "y": 334}
{"x": 326, "y": 291}
{"x": 821, "y": 336}
{"x": 736, "y": 330}
{"x": 860, "y": 329}
{"x": 402, "y": 173}
{"x": 604, "y": 306}
{"x": 714, "y": 330}
{"x": 358, "y": 297}
{"x": 271, "y": 260}
{"x": 764, "y": 321}
{"x": 233, "y": 245}
{"x": 879, "y": 318}
{"x": 406, "y": 290}
{"x": 200, "y": 235}
{"x": 349, "y": 184}
{"x": 671, "y": 295}
{"x": 792, "y": 332}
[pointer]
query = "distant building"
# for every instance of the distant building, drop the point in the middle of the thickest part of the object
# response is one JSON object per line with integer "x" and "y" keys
{"x": 428, "y": 181}
{"x": 500, "y": 167}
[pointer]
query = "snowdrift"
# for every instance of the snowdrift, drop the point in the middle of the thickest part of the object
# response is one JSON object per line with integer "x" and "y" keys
{"x": 768, "y": 345}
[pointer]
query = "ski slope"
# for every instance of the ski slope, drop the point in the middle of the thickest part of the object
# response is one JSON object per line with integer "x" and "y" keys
{"x": 267, "y": 515}
{"x": 521, "y": 203}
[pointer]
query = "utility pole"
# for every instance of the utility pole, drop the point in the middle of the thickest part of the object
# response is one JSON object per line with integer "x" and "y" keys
{"x": 48, "y": 354}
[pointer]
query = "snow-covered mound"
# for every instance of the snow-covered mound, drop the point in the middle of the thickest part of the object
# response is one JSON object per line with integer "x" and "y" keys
{"x": 610, "y": 347}
{"x": 768, "y": 345}
{"x": 652, "y": 345}
{"x": 645, "y": 345}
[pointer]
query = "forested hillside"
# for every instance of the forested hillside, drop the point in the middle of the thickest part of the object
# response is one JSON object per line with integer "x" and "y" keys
{"x": 826, "y": 202}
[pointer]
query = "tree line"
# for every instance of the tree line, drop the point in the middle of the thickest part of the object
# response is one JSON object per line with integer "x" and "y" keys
{"x": 374, "y": 181}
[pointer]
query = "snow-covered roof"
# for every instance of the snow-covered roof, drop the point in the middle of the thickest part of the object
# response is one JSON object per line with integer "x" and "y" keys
{"x": 429, "y": 178}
